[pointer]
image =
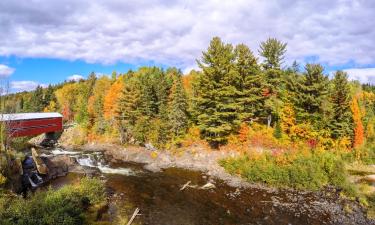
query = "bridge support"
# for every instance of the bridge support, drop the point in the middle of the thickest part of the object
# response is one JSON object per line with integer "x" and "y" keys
{"x": 51, "y": 135}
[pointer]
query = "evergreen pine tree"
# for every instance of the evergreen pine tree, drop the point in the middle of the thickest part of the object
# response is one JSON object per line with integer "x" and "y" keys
{"x": 178, "y": 117}
{"x": 82, "y": 116}
{"x": 36, "y": 101}
{"x": 128, "y": 108}
{"x": 49, "y": 96}
{"x": 216, "y": 93}
{"x": 250, "y": 83}
{"x": 277, "y": 132}
{"x": 273, "y": 51}
{"x": 148, "y": 96}
{"x": 312, "y": 96}
{"x": 342, "y": 117}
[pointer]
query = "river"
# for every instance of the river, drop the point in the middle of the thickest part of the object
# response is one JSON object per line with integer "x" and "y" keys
{"x": 161, "y": 201}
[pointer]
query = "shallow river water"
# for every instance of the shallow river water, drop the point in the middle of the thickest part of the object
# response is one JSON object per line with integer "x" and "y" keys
{"x": 161, "y": 202}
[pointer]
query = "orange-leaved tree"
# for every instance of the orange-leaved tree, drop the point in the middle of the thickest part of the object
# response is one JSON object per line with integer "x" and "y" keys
{"x": 358, "y": 126}
{"x": 244, "y": 132}
{"x": 111, "y": 99}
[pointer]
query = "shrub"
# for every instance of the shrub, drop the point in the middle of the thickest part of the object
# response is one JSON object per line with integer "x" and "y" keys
{"x": 3, "y": 179}
{"x": 65, "y": 206}
{"x": 302, "y": 170}
{"x": 364, "y": 154}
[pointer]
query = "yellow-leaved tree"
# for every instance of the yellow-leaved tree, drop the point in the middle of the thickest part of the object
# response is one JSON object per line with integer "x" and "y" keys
{"x": 95, "y": 105}
{"x": 67, "y": 98}
{"x": 288, "y": 118}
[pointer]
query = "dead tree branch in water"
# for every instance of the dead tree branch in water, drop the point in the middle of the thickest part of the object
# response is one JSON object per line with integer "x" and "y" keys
{"x": 185, "y": 185}
{"x": 136, "y": 211}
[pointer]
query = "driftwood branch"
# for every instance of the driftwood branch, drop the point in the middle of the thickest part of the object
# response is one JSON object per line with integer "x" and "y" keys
{"x": 185, "y": 185}
{"x": 136, "y": 211}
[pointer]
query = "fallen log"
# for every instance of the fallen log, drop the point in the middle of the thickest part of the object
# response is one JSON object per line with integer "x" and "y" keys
{"x": 208, "y": 186}
{"x": 185, "y": 185}
{"x": 136, "y": 211}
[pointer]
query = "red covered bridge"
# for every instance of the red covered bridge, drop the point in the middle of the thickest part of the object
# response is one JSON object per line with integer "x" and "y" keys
{"x": 28, "y": 124}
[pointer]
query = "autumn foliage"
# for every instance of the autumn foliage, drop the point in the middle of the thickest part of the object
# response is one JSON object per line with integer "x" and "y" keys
{"x": 111, "y": 99}
{"x": 357, "y": 118}
{"x": 243, "y": 133}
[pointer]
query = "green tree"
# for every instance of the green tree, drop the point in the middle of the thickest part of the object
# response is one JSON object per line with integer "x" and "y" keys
{"x": 273, "y": 51}
{"x": 216, "y": 93}
{"x": 250, "y": 83}
{"x": 86, "y": 89}
{"x": 128, "y": 108}
{"x": 312, "y": 95}
{"x": 36, "y": 101}
{"x": 278, "y": 131}
{"x": 178, "y": 116}
{"x": 342, "y": 124}
{"x": 49, "y": 96}
{"x": 150, "y": 103}
{"x": 96, "y": 104}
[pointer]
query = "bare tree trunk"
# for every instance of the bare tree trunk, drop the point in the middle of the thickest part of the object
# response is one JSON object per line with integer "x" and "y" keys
{"x": 269, "y": 120}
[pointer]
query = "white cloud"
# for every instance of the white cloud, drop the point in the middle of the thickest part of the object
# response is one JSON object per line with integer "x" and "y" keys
{"x": 26, "y": 85}
{"x": 190, "y": 68}
{"x": 6, "y": 71}
{"x": 363, "y": 75}
{"x": 75, "y": 77}
{"x": 175, "y": 32}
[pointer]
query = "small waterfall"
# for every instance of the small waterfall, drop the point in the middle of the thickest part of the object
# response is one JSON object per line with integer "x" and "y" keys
{"x": 94, "y": 160}
{"x": 122, "y": 171}
{"x": 58, "y": 151}
{"x": 87, "y": 161}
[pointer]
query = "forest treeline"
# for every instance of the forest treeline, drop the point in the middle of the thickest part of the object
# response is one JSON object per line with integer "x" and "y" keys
{"x": 232, "y": 96}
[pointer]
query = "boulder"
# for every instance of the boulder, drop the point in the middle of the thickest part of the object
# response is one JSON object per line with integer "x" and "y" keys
{"x": 370, "y": 178}
{"x": 40, "y": 165}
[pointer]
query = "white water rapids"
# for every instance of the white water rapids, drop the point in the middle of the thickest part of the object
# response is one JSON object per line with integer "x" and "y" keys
{"x": 94, "y": 160}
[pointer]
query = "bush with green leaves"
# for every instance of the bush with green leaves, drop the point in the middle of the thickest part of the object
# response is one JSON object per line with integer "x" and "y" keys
{"x": 65, "y": 206}
{"x": 366, "y": 154}
{"x": 300, "y": 170}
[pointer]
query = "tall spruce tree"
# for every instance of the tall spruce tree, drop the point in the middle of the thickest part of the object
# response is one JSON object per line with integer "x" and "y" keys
{"x": 273, "y": 51}
{"x": 312, "y": 96}
{"x": 49, "y": 96}
{"x": 250, "y": 84}
{"x": 87, "y": 87}
{"x": 216, "y": 95}
{"x": 37, "y": 100}
{"x": 342, "y": 124}
{"x": 128, "y": 108}
{"x": 178, "y": 108}
{"x": 149, "y": 96}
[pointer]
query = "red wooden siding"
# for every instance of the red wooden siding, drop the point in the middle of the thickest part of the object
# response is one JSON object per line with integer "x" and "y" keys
{"x": 18, "y": 128}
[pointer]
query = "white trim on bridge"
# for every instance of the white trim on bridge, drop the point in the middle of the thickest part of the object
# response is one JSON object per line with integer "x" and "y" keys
{"x": 28, "y": 116}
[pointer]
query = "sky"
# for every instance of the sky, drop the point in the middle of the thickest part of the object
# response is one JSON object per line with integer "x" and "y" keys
{"x": 47, "y": 41}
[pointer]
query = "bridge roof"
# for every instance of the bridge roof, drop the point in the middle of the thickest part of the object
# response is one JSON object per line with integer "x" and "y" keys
{"x": 28, "y": 116}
